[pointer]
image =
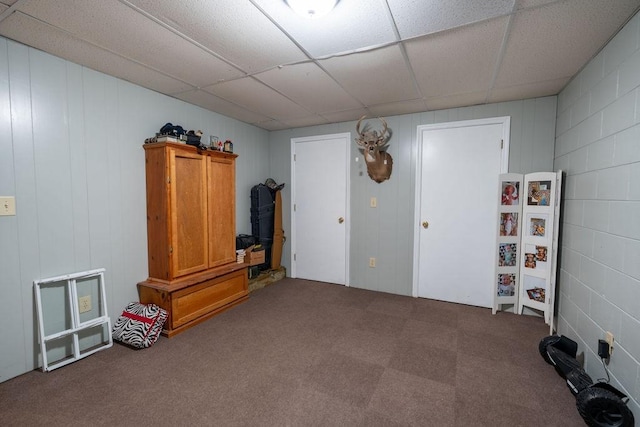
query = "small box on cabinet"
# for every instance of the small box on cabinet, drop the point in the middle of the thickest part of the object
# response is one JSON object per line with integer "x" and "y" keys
{"x": 254, "y": 256}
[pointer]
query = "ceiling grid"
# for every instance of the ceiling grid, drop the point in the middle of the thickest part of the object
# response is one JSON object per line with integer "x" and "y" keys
{"x": 258, "y": 62}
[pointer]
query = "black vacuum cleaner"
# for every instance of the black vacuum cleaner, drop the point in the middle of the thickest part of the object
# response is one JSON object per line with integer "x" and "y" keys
{"x": 599, "y": 404}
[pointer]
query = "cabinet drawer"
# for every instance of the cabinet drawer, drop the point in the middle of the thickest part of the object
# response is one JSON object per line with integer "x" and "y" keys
{"x": 195, "y": 301}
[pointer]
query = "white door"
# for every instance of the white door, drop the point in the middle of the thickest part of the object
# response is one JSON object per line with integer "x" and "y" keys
{"x": 456, "y": 208}
{"x": 319, "y": 214}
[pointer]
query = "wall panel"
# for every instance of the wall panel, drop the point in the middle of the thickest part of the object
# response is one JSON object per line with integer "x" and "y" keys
{"x": 74, "y": 161}
{"x": 11, "y": 300}
{"x": 386, "y": 232}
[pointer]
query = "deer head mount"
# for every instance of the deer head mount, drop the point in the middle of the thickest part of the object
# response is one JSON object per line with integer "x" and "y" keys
{"x": 378, "y": 162}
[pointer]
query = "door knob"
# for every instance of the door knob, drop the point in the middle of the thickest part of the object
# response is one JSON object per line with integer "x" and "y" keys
{"x": 425, "y": 224}
{"x": 340, "y": 220}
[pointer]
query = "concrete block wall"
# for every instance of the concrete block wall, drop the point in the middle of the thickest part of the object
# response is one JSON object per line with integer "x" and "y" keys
{"x": 598, "y": 145}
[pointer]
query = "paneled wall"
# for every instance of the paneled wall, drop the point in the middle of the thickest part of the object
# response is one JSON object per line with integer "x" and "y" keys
{"x": 598, "y": 145}
{"x": 387, "y": 231}
{"x": 71, "y": 154}
{"x": 73, "y": 159}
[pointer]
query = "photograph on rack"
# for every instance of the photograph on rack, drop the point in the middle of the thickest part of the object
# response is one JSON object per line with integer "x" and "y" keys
{"x": 537, "y": 225}
{"x": 535, "y": 256}
{"x": 509, "y": 224}
{"x": 535, "y": 288}
{"x": 529, "y": 260}
{"x": 536, "y": 294}
{"x": 506, "y": 284}
{"x": 510, "y": 193}
{"x": 507, "y": 254}
{"x": 539, "y": 193}
{"x": 541, "y": 253}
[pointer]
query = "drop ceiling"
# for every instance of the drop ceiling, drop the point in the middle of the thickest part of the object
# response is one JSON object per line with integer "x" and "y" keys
{"x": 258, "y": 62}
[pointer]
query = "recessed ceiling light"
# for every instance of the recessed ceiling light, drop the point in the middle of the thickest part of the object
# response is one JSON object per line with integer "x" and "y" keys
{"x": 312, "y": 8}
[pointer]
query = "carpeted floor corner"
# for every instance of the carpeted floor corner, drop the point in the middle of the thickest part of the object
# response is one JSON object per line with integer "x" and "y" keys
{"x": 302, "y": 353}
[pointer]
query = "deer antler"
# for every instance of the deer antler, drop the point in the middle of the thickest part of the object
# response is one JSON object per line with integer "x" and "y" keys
{"x": 358, "y": 125}
{"x": 381, "y": 140}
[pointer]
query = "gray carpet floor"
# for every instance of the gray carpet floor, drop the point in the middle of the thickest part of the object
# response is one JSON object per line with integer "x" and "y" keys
{"x": 302, "y": 353}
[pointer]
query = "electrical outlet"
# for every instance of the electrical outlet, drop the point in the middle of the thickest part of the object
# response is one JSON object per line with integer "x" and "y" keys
{"x": 84, "y": 303}
{"x": 7, "y": 206}
{"x": 608, "y": 337}
{"x": 372, "y": 262}
{"x": 374, "y": 202}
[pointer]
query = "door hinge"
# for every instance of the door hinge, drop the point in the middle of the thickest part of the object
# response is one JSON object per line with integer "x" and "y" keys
{"x": 168, "y": 180}
{"x": 294, "y": 157}
{"x": 170, "y": 249}
{"x": 294, "y": 257}
{"x": 294, "y": 207}
{"x": 501, "y": 144}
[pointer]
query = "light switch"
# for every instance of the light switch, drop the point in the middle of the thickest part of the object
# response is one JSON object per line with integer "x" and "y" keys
{"x": 7, "y": 206}
{"x": 374, "y": 202}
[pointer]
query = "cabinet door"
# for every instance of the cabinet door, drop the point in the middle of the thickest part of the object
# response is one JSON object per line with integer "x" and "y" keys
{"x": 188, "y": 213}
{"x": 222, "y": 210}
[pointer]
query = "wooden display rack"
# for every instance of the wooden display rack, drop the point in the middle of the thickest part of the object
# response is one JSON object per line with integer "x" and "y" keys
{"x": 538, "y": 259}
{"x": 509, "y": 231}
{"x": 529, "y": 220}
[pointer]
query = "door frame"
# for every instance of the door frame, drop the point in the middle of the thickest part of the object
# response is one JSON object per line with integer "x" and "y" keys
{"x": 505, "y": 121}
{"x": 346, "y": 136}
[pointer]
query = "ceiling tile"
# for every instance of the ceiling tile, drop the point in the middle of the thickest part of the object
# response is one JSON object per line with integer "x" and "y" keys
{"x": 230, "y": 28}
{"x": 528, "y": 4}
{"x": 255, "y": 96}
{"x": 419, "y": 17}
{"x": 272, "y": 125}
{"x": 556, "y": 40}
{"x": 351, "y": 25}
{"x": 134, "y": 37}
{"x": 309, "y": 86}
{"x": 458, "y": 61}
{"x": 346, "y": 116}
{"x": 531, "y": 90}
{"x": 36, "y": 33}
{"x": 221, "y": 106}
{"x": 375, "y": 77}
{"x": 305, "y": 121}
{"x": 463, "y": 99}
{"x": 396, "y": 108}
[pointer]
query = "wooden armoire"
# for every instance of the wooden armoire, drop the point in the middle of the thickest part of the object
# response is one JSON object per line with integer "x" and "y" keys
{"x": 193, "y": 273}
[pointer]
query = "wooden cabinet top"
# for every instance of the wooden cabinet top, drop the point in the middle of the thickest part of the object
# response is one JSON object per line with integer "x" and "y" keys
{"x": 189, "y": 148}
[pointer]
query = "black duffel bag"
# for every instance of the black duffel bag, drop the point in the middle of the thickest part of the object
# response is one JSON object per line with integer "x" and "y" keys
{"x": 243, "y": 241}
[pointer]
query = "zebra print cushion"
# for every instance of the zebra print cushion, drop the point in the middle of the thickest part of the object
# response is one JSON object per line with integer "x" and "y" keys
{"x": 139, "y": 325}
